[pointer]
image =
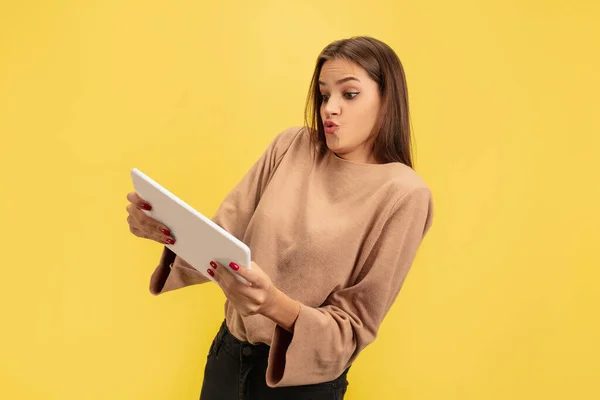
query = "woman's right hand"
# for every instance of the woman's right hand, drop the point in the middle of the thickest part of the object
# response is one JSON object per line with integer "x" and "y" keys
{"x": 142, "y": 225}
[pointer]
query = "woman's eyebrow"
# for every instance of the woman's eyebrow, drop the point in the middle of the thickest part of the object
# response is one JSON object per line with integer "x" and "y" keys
{"x": 340, "y": 81}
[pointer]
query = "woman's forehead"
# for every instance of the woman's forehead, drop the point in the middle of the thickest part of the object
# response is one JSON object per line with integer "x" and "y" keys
{"x": 332, "y": 69}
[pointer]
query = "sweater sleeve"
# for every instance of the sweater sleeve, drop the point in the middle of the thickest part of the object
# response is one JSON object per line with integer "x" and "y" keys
{"x": 326, "y": 340}
{"x": 172, "y": 273}
{"x": 233, "y": 215}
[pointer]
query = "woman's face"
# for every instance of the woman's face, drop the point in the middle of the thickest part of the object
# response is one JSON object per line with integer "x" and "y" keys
{"x": 350, "y": 107}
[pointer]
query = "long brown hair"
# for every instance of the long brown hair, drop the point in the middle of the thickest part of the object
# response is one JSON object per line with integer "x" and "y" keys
{"x": 392, "y": 127}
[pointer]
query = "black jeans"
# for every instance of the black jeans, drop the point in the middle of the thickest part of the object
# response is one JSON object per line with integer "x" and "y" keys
{"x": 236, "y": 371}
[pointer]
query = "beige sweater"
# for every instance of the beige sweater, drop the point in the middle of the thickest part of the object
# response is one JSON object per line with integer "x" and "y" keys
{"x": 335, "y": 235}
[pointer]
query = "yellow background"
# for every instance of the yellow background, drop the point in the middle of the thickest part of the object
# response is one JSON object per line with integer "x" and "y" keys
{"x": 503, "y": 300}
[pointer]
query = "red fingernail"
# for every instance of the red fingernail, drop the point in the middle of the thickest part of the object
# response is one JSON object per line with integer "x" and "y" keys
{"x": 146, "y": 206}
{"x": 234, "y": 266}
{"x": 213, "y": 264}
{"x": 169, "y": 241}
{"x": 210, "y": 272}
{"x": 166, "y": 232}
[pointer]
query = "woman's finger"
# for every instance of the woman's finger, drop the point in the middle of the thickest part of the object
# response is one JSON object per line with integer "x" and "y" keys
{"x": 147, "y": 227}
{"x": 251, "y": 275}
{"x": 156, "y": 230}
{"x": 137, "y": 201}
{"x": 132, "y": 228}
{"x": 224, "y": 278}
{"x": 137, "y": 232}
{"x": 213, "y": 270}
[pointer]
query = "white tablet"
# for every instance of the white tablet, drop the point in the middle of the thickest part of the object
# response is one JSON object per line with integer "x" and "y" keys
{"x": 198, "y": 240}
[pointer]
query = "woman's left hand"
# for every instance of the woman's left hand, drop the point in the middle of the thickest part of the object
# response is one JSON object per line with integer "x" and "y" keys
{"x": 256, "y": 297}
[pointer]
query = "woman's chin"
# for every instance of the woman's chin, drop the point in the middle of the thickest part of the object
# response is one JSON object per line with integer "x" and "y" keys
{"x": 333, "y": 143}
{"x": 338, "y": 151}
{"x": 334, "y": 149}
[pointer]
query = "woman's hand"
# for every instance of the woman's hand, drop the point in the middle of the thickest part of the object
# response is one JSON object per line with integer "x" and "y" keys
{"x": 142, "y": 225}
{"x": 252, "y": 298}
{"x": 258, "y": 296}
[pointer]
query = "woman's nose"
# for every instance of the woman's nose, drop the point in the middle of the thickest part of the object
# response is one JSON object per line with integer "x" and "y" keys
{"x": 332, "y": 107}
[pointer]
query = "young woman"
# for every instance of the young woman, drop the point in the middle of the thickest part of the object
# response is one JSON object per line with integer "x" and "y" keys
{"x": 333, "y": 213}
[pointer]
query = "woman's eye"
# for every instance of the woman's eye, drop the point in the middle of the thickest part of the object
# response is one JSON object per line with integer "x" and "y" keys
{"x": 347, "y": 95}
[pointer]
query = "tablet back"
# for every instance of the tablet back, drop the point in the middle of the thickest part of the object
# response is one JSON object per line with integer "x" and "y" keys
{"x": 198, "y": 240}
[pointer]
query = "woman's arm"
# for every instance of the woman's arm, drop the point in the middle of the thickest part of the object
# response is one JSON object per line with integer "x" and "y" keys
{"x": 312, "y": 345}
{"x": 282, "y": 309}
{"x": 233, "y": 215}
{"x": 327, "y": 339}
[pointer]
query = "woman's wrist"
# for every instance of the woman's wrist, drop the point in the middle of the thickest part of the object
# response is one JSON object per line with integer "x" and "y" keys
{"x": 281, "y": 309}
